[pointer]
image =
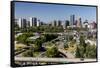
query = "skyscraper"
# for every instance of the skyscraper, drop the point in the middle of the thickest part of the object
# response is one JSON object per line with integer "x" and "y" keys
{"x": 79, "y": 23}
{"x": 72, "y": 20}
{"x": 33, "y": 21}
{"x": 66, "y": 23}
{"x": 76, "y": 21}
{"x": 19, "y": 22}
{"x": 59, "y": 23}
{"x": 28, "y": 23}
{"x": 54, "y": 23}
{"x": 16, "y": 21}
{"x": 38, "y": 23}
{"x": 23, "y": 23}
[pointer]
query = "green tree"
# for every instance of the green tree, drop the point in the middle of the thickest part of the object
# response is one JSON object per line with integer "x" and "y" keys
{"x": 77, "y": 52}
{"x": 52, "y": 52}
{"x": 82, "y": 41}
{"x": 24, "y": 38}
{"x": 70, "y": 38}
{"x": 21, "y": 38}
{"x": 38, "y": 44}
{"x": 28, "y": 53}
{"x": 80, "y": 52}
{"x": 85, "y": 50}
{"x": 29, "y": 41}
{"x": 91, "y": 51}
{"x": 66, "y": 45}
{"x": 81, "y": 48}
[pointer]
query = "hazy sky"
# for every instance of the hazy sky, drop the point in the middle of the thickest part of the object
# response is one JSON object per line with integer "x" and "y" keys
{"x": 50, "y": 12}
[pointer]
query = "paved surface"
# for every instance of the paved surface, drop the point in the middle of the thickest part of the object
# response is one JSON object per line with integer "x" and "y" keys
{"x": 31, "y": 59}
{"x": 68, "y": 54}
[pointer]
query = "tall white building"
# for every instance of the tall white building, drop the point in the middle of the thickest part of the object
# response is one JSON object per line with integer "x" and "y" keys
{"x": 31, "y": 21}
{"x": 20, "y": 22}
{"x": 38, "y": 22}
{"x": 34, "y": 21}
{"x": 23, "y": 23}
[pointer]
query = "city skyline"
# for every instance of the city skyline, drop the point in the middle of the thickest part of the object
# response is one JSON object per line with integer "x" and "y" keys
{"x": 50, "y": 12}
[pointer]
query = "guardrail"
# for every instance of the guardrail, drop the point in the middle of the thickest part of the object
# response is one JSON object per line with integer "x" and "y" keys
{"x": 33, "y": 59}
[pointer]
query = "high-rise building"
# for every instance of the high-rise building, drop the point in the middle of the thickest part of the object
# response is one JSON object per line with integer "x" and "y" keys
{"x": 54, "y": 23}
{"x": 72, "y": 20}
{"x": 38, "y": 22}
{"x": 59, "y": 23}
{"x": 66, "y": 23}
{"x": 79, "y": 23}
{"x": 76, "y": 21}
{"x": 41, "y": 23}
{"x": 33, "y": 21}
{"x": 19, "y": 21}
{"x": 23, "y": 23}
{"x": 16, "y": 22}
{"x": 28, "y": 23}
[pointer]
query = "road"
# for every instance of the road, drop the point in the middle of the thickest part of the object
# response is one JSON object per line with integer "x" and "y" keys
{"x": 66, "y": 53}
{"x": 24, "y": 49}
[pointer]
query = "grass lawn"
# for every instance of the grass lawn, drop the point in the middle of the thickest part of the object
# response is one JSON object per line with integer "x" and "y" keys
{"x": 71, "y": 47}
{"x": 19, "y": 45}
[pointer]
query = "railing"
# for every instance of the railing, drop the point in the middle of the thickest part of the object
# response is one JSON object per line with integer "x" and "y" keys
{"x": 65, "y": 60}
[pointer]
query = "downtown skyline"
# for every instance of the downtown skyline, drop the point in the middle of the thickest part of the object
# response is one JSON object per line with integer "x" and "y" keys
{"x": 50, "y": 12}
